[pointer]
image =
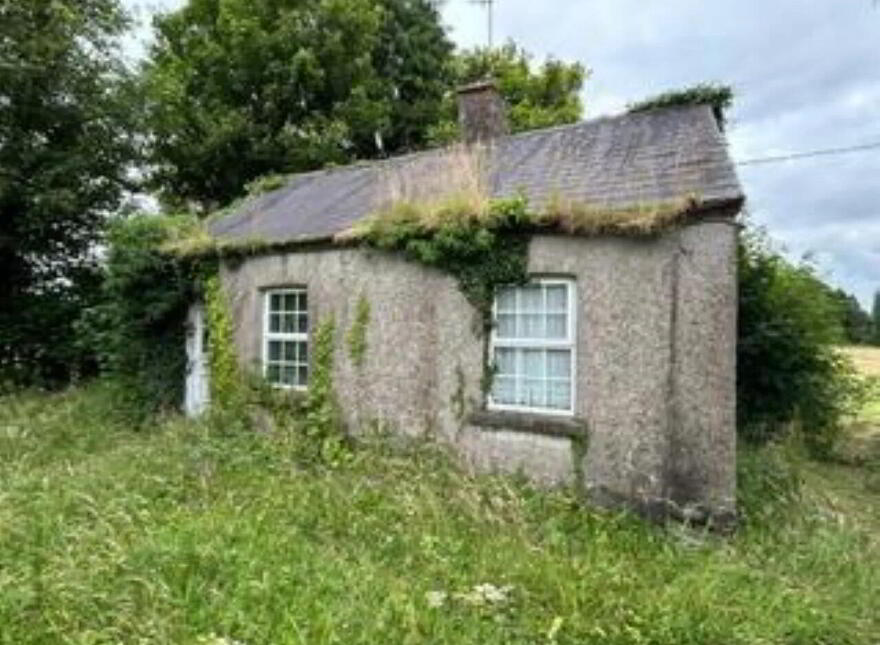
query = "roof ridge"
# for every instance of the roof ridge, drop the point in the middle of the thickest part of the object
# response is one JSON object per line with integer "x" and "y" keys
{"x": 360, "y": 164}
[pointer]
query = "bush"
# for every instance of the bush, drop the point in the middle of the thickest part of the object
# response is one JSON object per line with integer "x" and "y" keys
{"x": 138, "y": 329}
{"x": 788, "y": 370}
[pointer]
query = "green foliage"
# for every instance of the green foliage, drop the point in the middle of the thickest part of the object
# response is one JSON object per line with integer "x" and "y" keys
{"x": 719, "y": 97}
{"x": 228, "y": 386}
{"x": 875, "y": 316}
{"x": 66, "y": 142}
{"x": 357, "y": 333}
{"x": 481, "y": 253}
{"x": 323, "y": 423}
{"x": 856, "y": 322}
{"x": 238, "y": 89}
{"x": 138, "y": 328}
{"x": 536, "y": 98}
{"x": 788, "y": 369}
{"x": 180, "y": 533}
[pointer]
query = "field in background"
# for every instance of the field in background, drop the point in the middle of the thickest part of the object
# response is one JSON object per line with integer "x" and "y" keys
{"x": 867, "y": 359}
{"x": 179, "y": 535}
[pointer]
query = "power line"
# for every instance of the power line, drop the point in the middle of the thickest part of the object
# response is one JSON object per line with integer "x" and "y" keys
{"x": 827, "y": 152}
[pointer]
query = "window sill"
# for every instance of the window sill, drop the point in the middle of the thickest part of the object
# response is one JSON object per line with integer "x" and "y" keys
{"x": 551, "y": 426}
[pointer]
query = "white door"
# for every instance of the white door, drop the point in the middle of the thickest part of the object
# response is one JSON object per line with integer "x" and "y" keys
{"x": 197, "y": 392}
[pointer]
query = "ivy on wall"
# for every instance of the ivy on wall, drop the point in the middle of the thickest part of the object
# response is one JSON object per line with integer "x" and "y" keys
{"x": 323, "y": 421}
{"x": 356, "y": 339}
{"x": 227, "y": 378}
{"x": 481, "y": 253}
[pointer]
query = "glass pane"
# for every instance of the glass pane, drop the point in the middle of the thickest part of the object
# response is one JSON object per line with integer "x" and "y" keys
{"x": 533, "y": 363}
{"x": 557, "y": 298}
{"x": 290, "y": 352}
{"x": 273, "y": 373}
{"x": 531, "y": 298}
{"x": 506, "y": 326}
{"x": 559, "y": 395}
{"x": 275, "y": 302}
{"x": 288, "y": 375}
{"x": 288, "y": 323}
{"x": 274, "y": 323}
{"x": 274, "y": 350}
{"x": 556, "y": 326}
{"x": 290, "y": 302}
{"x": 506, "y": 300}
{"x": 303, "y": 302}
{"x": 303, "y": 375}
{"x": 505, "y": 360}
{"x": 532, "y": 392}
{"x": 302, "y": 324}
{"x": 559, "y": 364}
{"x": 503, "y": 390}
{"x": 303, "y": 352}
{"x": 531, "y": 326}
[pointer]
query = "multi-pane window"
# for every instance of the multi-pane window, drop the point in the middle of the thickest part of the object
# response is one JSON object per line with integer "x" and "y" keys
{"x": 533, "y": 347}
{"x": 286, "y": 338}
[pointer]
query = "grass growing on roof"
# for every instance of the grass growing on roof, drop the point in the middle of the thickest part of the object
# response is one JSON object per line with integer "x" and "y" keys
{"x": 178, "y": 534}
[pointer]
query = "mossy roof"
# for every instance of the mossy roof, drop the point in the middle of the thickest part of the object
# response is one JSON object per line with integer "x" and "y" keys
{"x": 618, "y": 162}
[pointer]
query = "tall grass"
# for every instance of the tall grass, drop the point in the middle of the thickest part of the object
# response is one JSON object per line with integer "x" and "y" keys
{"x": 180, "y": 535}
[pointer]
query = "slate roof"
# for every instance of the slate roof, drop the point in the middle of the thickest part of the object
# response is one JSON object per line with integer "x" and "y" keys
{"x": 627, "y": 160}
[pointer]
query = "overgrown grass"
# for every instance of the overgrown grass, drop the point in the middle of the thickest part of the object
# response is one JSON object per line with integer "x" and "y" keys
{"x": 181, "y": 535}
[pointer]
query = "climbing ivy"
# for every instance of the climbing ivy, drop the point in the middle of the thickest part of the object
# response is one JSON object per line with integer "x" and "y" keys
{"x": 228, "y": 386}
{"x": 357, "y": 333}
{"x": 323, "y": 422}
{"x": 480, "y": 252}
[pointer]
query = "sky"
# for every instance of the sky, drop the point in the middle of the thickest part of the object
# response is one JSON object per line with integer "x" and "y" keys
{"x": 806, "y": 75}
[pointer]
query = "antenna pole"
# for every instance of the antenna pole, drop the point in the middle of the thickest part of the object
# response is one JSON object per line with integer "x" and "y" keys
{"x": 489, "y": 5}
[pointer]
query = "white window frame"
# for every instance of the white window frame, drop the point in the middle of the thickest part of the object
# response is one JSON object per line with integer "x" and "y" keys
{"x": 269, "y": 335}
{"x": 568, "y": 343}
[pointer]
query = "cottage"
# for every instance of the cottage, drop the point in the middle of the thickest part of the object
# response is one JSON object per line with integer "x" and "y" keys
{"x": 613, "y": 368}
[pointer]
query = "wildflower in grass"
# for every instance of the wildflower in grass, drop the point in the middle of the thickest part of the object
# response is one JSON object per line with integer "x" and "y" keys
{"x": 486, "y": 594}
{"x": 436, "y": 599}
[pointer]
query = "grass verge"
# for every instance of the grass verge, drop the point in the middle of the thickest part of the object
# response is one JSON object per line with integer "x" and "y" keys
{"x": 179, "y": 535}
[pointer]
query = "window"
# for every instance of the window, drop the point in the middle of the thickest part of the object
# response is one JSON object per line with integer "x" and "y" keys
{"x": 532, "y": 348}
{"x": 286, "y": 338}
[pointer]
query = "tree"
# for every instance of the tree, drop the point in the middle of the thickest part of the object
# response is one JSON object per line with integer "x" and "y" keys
{"x": 237, "y": 89}
{"x": 788, "y": 368}
{"x": 65, "y": 148}
{"x": 856, "y": 322}
{"x": 875, "y": 316}
{"x": 537, "y": 98}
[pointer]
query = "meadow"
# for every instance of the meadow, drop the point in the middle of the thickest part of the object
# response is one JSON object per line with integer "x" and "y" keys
{"x": 182, "y": 534}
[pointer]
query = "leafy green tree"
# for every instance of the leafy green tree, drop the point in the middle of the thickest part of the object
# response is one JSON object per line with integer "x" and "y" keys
{"x": 788, "y": 369}
{"x": 65, "y": 148}
{"x": 237, "y": 89}
{"x": 875, "y": 316}
{"x": 856, "y": 322}
{"x": 539, "y": 97}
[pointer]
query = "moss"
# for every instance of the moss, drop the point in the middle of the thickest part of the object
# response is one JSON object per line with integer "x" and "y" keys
{"x": 266, "y": 184}
{"x": 719, "y": 97}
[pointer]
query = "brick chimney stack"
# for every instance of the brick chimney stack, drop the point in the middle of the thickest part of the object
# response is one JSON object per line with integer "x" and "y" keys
{"x": 482, "y": 112}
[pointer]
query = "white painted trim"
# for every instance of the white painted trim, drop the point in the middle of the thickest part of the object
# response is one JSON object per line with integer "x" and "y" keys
{"x": 283, "y": 336}
{"x": 569, "y": 343}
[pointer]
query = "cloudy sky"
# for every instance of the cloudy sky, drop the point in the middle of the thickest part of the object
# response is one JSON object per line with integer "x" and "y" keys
{"x": 806, "y": 74}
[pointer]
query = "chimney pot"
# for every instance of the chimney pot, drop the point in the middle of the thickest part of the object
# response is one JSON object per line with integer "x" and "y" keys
{"x": 482, "y": 112}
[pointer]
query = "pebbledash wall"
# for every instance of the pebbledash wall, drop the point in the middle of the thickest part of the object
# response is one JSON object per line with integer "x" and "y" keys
{"x": 654, "y": 423}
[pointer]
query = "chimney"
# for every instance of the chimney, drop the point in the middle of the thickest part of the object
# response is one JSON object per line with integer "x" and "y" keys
{"x": 482, "y": 112}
